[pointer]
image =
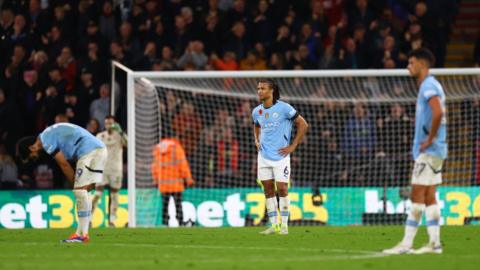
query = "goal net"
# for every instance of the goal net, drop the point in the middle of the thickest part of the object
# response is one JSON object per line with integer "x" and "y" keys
{"x": 353, "y": 167}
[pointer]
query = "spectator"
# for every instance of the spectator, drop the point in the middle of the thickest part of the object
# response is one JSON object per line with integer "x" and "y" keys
{"x": 211, "y": 35}
{"x": 395, "y": 139}
{"x": 39, "y": 62}
{"x": 53, "y": 42}
{"x": 158, "y": 35}
{"x": 29, "y": 92}
{"x": 99, "y": 109}
{"x": 228, "y": 62}
{"x": 107, "y": 21}
{"x": 349, "y": 57}
{"x": 149, "y": 56}
{"x": 328, "y": 61}
{"x": 73, "y": 110}
{"x": 359, "y": 141}
{"x": 129, "y": 43}
{"x": 188, "y": 126}
{"x": 277, "y": 61}
{"x": 167, "y": 58}
{"x": 228, "y": 154}
{"x": 237, "y": 41}
{"x": 476, "y": 52}
{"x": 118, "y": 54}
{"x": 61, "y": 118}
{"x": 93, "y": 126}
{"x": 312, "y": 41}
{"x": 193, "y": 54}
{"x": 360, "y": 14}
{"x": 10, "y": 125}
{"x": 68, "y": 68}
{"x": 8, "y": 171}
{"x": 93, "y": 35}
{"x": 181, "y": 36}
{"x": 95, "y": 63}
{"x": 252, "y": 62}
{"x": 64, "y": 19}
{"x": 283, "y": 42}
{"x": 238, "y": 13}
{"x": 263, "y": 26}
{"x": 204, "y": 160}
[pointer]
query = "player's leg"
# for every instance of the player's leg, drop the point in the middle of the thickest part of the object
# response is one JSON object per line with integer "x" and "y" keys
{"x": 415, "y": 214}
{"x": 177, "y": 197}
{"x": 98, "y": 194}
{"x": 432, "y": 211}
{"x": 432, "y": 214}
{"x": 413, "y": 221}
{"x": 284, "y": 204}
{"x": 272, "y": 206}
{"x": 165, "y": 201}
{"x": 115, "y": 185}
{"x": 282, "y": 178}
{"x": 88, "y": 174}
{"x": 266, "y": 176}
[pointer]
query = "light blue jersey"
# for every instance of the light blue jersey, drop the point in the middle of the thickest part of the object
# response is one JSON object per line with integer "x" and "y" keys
{"x": 73, "y": 141}
{"x": 275, "y": 128}
{"x": 429, "y": 88}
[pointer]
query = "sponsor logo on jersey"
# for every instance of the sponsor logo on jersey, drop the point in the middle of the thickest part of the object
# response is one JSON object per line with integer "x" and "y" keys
{"x": 267, "y": 115}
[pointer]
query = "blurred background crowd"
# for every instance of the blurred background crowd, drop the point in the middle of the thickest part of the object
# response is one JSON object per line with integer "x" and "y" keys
{"x": 55, "y": 67}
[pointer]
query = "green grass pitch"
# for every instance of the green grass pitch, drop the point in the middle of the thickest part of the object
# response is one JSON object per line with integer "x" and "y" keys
{"x": 234, "y": 248}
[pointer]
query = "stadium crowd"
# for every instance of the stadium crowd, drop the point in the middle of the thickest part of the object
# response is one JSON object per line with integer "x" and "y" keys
{"x": 55, "y": 65}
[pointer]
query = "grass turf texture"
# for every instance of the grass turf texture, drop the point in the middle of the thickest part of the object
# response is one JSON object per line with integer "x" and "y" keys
{"x": 234, "y": 248}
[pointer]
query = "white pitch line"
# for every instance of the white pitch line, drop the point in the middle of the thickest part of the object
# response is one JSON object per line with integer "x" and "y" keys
{"x": 354, "y": 254}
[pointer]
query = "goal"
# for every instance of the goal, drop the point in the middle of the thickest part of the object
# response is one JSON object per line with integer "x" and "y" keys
{"x": 353, "y": 167}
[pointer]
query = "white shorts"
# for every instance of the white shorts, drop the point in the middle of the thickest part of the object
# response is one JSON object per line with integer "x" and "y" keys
{"x": 90, "y": 168}
{"x": 114, "y": 180}
{"x": 273, "y": 170}
{"x": 427, "y": 170}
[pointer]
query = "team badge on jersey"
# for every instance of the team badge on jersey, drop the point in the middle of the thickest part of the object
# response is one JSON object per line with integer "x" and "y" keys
{"x": 275, "y": 115}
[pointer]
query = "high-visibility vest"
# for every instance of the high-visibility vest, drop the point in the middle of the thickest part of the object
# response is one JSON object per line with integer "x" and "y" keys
{"x": 170, "y": 168}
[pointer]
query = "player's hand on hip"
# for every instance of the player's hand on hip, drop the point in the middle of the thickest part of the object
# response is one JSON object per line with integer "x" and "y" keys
{"x": 257, "y": 144}
{"x": 425, "y": 144}
{"x": 287, "y": 150}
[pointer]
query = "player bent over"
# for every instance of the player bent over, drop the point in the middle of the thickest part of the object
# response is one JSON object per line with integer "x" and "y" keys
{"x": 429, "y": 152}
{"x": 273, "y": 120}
{"x": 115, "y": 139}
{"x": 65, "y": 141}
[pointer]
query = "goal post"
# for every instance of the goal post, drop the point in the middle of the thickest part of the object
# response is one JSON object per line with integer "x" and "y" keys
{"x": 352, "y": 169}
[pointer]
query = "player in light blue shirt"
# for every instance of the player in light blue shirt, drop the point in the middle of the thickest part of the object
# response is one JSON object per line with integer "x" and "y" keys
{"x": 433, "y": 144}
{"x": 273, "y": 120}
{"x": 65, "y": 141}
{"x": 429, "y": 152}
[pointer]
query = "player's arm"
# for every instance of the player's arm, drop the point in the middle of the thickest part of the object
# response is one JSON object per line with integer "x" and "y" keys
{"x": 256, "y": 134}
{"x": 64, "y": 166}
{"x": 302, "y": 127}
{"x": 124, "y": 139}
{"x": 437, "y": 114}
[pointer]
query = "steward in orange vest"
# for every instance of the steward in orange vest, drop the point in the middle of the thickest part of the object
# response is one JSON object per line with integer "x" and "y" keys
{"x": 171, "y": 172}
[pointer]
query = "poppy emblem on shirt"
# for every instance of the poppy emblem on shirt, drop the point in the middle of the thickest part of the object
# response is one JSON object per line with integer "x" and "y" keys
{"x": 260, "y": 111}
{"x": 266, "y": 115}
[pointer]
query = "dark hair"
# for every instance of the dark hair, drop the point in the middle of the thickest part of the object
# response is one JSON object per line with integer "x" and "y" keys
{"x": 423, "y": 54}
{"x": 23, "y": 150}
{"x": 110, "y": 117}
{"x": 274, "y": 86}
